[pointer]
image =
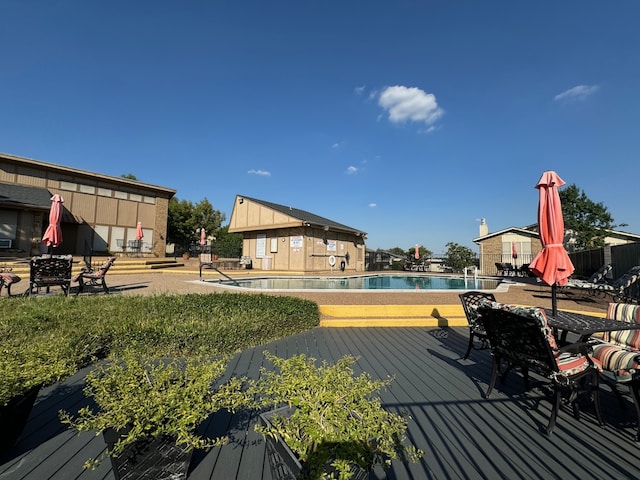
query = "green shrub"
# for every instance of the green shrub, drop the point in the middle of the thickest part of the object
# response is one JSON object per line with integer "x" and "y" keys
{"x": 336, "y": 417}
{"x": 141, "y": 398}
{"x": 43, "y": 340}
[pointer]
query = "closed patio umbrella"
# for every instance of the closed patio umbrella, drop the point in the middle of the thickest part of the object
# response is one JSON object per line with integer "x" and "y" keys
{"x": 53, "y": 234}
{"x": 552, "y": 264}
{"x": 139, "y": 234}
{"x": 203, "y": 237}
{"x": 417, "y": 254}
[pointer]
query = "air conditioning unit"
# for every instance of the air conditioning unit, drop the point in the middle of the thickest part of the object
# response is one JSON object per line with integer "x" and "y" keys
{"x": 5, "y": 243}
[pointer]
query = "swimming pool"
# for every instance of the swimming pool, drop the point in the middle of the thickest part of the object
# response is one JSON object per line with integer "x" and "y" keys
{"x": 364, "y": 282}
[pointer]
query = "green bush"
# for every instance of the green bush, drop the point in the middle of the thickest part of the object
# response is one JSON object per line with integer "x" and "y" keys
{"x": 141, "y": 398}
{"x": 43, "y": 340}
{"x": 336, "y": 418}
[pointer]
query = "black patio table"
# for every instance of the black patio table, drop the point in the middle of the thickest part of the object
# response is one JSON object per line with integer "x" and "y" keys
{"x": 585, "y": 325}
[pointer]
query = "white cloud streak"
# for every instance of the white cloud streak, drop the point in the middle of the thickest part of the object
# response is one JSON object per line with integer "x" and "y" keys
{"x": 262, "y": 173}
{"x": 411, "y": 104}
{"x": 351, "y": 169}
{"x": 373, "y": 205}
{"x": 581, "y": 92}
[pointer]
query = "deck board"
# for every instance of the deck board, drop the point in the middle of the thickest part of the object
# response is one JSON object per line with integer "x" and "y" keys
{"x": 464, "y": 436}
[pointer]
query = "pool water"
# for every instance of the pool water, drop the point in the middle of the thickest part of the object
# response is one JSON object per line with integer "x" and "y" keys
{"x": 368, "y": 282}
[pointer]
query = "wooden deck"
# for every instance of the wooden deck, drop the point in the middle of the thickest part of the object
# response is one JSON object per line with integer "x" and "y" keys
{"x": 463, "y": 435}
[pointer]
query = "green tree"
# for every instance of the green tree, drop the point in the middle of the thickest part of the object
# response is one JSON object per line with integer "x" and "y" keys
{"x": 130, "y": 176}
{"x": 458, "y": 257}
{"x": 585, "y": 221}
{"x": 227, "y": 244}
{"x": 185, "y": 219}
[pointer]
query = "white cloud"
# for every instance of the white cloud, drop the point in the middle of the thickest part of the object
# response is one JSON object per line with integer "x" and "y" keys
{"x": 410, "y": 104}
{"x": 262, "y": 173}
{"x": 336, "y": 145}
{"x": 359, "y": 90}
{"x": 373, "y": 205}
{"x": 581, "y": 92}
{"x": 351, "y": 169}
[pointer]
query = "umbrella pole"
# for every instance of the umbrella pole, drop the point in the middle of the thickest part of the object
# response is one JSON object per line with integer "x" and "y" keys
{"x": 554, "y": 300}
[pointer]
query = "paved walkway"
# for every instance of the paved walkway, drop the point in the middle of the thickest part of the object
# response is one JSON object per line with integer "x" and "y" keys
{"x": 186, "y": 280}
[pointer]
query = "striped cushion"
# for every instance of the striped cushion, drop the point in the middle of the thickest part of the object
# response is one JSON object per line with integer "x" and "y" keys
{"x": 568, "y": 363}
{"x": 622, "y": 362}
{"x": 625, "y": 313}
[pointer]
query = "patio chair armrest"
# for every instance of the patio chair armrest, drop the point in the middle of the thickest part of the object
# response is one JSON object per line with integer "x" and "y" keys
{"x": 578, "y": 347}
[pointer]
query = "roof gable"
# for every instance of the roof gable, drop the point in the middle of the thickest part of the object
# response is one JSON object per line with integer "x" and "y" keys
{"x": 305, "y": 218}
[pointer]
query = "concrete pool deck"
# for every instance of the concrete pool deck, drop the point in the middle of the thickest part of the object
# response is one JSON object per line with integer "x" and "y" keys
{"x": 338, "y": 308}
{"x": 349, "y": 308}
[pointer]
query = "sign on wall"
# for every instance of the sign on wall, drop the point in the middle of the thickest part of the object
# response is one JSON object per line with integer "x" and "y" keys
{"x": 296, "y": 241}
{"x": 331, "y": 246}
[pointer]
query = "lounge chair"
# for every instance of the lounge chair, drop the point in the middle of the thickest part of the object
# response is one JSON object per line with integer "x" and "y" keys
{"x": 521, "y": 337}
{"x": 618, "y": 290}
{"x": 88, "y": 276}
{"x": 597, "y": 278}
{"x": 470, "y": 302}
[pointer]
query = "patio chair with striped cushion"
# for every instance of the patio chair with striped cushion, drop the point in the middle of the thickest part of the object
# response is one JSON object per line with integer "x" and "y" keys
{"x": 522, "y": 338}
{"x": 619, "y": 351}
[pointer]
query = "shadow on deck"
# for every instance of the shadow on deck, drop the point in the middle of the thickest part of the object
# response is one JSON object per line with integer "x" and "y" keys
{"x": 463, "y": 435}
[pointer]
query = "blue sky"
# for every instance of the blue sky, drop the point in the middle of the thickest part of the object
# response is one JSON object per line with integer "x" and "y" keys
{"x": 409, "y": 120}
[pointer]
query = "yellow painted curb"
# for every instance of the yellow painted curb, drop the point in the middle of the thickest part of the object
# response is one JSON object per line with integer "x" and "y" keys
{"x": 392, "y": 316}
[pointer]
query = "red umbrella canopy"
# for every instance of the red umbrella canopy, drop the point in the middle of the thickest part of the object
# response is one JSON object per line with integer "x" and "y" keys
{"x": 53, "y": 235}
{"x": 552, "y": 264}
{"x": 139, "y": 234}
{"x": 203, "y": 237}
{"x": 417, "y": 254}
{"x": 514, "y": 250}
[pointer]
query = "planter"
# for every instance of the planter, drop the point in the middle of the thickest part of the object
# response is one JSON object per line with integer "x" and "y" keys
{"x": 150, "y": 459}
{"x": 284, "y": 463}
{"x": 185, "y": 256}
{"x": 14, "y": 416}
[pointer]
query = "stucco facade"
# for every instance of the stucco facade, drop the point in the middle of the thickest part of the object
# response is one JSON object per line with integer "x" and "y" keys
{"x": 100, "y": 212}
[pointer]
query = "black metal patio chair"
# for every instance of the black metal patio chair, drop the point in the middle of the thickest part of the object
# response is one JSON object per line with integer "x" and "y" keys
{"x": 470, "y": 303}
{"x": 521, "y": 338}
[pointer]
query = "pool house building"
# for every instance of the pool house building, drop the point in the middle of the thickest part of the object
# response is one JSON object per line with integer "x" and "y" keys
{"x": 280, "y": 237}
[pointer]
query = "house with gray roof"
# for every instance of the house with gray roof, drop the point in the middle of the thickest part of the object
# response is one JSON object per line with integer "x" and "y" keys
{"x": 281, "y": 237}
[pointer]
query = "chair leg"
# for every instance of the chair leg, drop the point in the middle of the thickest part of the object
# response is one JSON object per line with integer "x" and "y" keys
{"x": 469, "y": 347}
{"x": 104, "y": 286}
{"x": 80, "y": 286}
{"x": 634, "y": 386}
{"x": 494, "y": 375}
{"x": 554, "y": 412}
{"x": 595, "y": 395}
{"x": 614, "y": 389}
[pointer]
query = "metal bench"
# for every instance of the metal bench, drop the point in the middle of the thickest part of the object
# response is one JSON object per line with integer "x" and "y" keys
{"x": 49, "y": 271}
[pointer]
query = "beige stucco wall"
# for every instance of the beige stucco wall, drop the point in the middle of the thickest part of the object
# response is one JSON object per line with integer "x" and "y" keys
{"x": 303, "y": 249}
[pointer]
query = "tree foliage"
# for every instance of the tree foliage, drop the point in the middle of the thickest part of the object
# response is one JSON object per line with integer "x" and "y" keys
{"x": 227, "y": 244}
{"x": 458, "y": 256}
{"x": 185, "y": 219}
{"x": 130, "y": 176}
{"x": 585, "y": 221}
